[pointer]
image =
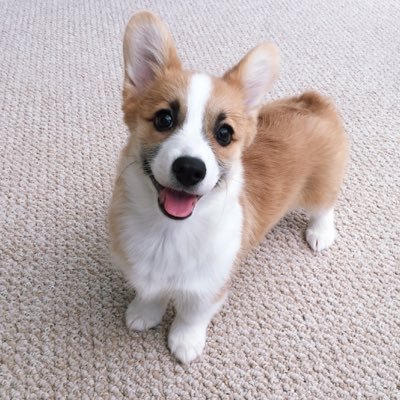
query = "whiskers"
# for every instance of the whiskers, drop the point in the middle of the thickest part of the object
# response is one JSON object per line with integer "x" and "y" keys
{"x": 147, "y": 154}
{"x": 146, "y": 166}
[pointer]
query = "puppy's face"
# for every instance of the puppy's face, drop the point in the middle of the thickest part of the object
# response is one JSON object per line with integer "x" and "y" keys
{"x": 188, "y": 129}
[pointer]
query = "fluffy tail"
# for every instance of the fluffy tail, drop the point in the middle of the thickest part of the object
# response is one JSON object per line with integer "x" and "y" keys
{"x": 313, "y": 102}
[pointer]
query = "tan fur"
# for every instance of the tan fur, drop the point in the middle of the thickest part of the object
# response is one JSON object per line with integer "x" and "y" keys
{"x": 228, "y": 99}
{"x": 139, "y": 111}
{"x": 296, "y": 160}
{"x": 114, "y": 218}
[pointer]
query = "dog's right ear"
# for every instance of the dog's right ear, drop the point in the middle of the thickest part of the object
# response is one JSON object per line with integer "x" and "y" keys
{"x": 148, "y": 50}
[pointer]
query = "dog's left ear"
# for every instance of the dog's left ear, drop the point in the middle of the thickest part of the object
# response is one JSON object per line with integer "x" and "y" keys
{"x": 255, "y": 73}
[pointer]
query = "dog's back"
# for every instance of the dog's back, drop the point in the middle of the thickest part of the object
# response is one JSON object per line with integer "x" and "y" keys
{"x": 296, "y": 160}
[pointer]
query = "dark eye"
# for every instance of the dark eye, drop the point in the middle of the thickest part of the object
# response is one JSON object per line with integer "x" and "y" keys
{"x": 163, "y": 120}
{"x": 224, "y": 134}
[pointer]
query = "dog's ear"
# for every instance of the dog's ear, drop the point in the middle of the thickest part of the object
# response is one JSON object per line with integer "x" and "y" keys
{"x": 148, "y": 50}
{"x": 255, "y": 73}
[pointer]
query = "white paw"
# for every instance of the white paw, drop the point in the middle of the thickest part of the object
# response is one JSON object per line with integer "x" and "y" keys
{"x": 186, "y": 342}
{"x": 141, "y": 316}
{"x": 320, "y": 237}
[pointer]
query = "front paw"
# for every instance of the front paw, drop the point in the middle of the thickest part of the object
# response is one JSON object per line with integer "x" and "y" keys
{"x": 186, "y": 342}
{"x": 142, "y": 315}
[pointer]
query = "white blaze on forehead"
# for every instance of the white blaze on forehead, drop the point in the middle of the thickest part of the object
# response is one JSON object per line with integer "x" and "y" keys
{"x": 199, "y": 91}
{"x": 190, "y": 140}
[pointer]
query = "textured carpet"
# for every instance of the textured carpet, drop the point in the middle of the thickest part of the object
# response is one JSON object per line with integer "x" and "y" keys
{"x": 297, "y": 325}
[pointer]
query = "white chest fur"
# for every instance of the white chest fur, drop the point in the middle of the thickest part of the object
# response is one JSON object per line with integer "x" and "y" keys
{"x": 195, "y": 255}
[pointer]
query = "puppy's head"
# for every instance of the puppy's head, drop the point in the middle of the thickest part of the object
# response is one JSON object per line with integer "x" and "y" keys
{"x": 188, "y": 129}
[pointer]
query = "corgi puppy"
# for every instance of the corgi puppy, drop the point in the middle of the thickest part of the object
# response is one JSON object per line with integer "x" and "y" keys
{"x": 207, "y": 171}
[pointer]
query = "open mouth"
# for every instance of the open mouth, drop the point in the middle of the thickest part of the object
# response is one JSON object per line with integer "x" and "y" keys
{"x": 173, "y": 203}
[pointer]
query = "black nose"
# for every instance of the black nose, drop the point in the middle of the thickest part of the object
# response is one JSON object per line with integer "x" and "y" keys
{"x": 189, "y": 170}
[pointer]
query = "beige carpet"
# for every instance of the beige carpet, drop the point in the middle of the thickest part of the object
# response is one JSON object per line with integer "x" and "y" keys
{"x": 297, "y": 325}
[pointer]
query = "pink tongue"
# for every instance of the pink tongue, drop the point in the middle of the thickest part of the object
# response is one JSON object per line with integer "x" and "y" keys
{"x": 178, "y": 204}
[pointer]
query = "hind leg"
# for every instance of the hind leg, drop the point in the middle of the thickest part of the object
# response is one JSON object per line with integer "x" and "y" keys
{"x": 321, "y": 232}
{"x": 319, "y": 198}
